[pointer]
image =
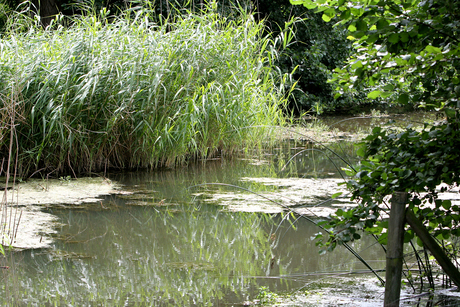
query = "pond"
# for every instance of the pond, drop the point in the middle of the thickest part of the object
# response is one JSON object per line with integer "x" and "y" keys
{"x": 186, "y": 237}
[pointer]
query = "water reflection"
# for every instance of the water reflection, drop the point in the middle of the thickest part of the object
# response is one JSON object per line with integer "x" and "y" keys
{"x": 181, "y": 255}
{"x": 163, "y": 246}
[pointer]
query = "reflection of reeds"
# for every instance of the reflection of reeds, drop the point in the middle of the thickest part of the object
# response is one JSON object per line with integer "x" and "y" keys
{"x": 130, "y": 93}
{"x": 10, "y": 215}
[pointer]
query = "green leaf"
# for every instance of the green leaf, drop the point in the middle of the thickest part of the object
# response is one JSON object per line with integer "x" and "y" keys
{"x": 408, "y": 236}
{"x": 393, "y": 38}
{"x": 309, "y": 6}
{"x": 361, "y": 152}
{"x": 335, "y": 195}
{"x": 445, "y": 234}
{"x": 383, "y": 238}
{"x": 386, "y": 94}
{"x": 404, "y": 37}
{"x": 406, "y": 173}
{"x": 389, "y": 87}
{"x": 326, "y": 18}
{"x": 372, "y": 38}
{"x": 376, "y": 130}
{"x": 450, "y": 113}
{"x": 374, "y": 94}
{"x": 431, "y": 49}
{"x": 382, "y": 23}
{"x": 403, "y": 98}
{"x": 446, "y": 204}
{"x": 345, "y": 14}
{"x": 361, "y": 25}
{"x": 419, "y": 242}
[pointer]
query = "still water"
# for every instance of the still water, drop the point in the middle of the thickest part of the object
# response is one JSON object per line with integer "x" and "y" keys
{"x": 161, "y": 242}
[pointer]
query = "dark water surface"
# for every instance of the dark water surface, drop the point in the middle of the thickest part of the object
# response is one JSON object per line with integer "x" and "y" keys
{"x": 163, "y": 245}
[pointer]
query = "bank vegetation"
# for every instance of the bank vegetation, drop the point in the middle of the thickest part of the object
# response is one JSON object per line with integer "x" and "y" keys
{"x": 96, "y": 92}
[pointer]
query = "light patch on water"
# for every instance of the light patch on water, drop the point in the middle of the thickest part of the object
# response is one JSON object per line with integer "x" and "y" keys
{"x": 33, "y": 229}
{"x": 54, "y": 191}
{"x": 25, "y": 201}
{"x": 255, "y": 161}
{"x": 338, "y": 291}
{"x": 306, "y": 196}
{"x": 319, "y": 134}
{"x": 352, "y": 291}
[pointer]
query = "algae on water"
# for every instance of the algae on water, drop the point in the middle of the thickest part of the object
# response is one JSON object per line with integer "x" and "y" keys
{"x": 26, "y": 200}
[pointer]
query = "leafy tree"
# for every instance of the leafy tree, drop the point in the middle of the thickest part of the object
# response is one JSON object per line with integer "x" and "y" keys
{"x": 408, "y": 51}
{"x": 317, "y": 50}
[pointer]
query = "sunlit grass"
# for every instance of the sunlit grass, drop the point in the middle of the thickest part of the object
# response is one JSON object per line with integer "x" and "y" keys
{"x": 130, "y": 93}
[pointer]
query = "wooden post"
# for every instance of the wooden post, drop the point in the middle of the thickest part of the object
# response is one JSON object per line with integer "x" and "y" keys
{"x": 394, "y": 257}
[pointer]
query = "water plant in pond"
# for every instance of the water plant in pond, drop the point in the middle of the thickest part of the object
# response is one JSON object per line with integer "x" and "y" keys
{"x": 125, "y": 92}
{"x": 265, "y": 296}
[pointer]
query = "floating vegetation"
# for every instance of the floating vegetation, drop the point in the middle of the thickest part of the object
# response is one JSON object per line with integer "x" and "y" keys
{"x": 161, "y": 203}
{"x": 54, "y": 191}
{"x": 308, "y": 196}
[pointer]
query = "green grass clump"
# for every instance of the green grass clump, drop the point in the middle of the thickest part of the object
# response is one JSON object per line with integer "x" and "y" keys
{"x": 131, "y": 93}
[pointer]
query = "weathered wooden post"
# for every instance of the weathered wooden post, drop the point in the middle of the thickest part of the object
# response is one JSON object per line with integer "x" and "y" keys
{"x": 395, "y": 243}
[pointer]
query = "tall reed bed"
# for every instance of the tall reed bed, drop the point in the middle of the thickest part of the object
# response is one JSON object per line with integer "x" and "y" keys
{"x": 126, "y": 92}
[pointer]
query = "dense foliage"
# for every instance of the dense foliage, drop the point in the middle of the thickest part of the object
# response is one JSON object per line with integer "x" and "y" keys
{"x": 5, "y": 11}
{"x": 130, "y": 93}
{"x": 409, "y": 52}
{"x": 316, "y": 50}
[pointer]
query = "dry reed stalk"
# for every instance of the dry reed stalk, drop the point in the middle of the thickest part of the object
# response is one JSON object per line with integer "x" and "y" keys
{"x": 9, "y": 220}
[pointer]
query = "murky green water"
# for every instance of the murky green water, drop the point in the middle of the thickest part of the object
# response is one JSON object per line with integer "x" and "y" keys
{"x": 163, "y": 244}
